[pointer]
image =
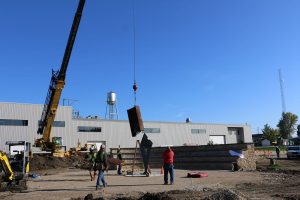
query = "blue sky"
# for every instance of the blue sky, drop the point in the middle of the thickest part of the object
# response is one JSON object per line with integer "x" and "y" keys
{"x": 214, "y": 61}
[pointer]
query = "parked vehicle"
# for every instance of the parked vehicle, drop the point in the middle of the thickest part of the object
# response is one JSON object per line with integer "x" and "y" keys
{"x": 293, "y": 152}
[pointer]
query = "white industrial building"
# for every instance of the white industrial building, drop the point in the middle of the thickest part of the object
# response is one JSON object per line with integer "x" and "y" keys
{"x": 20, "y": 122}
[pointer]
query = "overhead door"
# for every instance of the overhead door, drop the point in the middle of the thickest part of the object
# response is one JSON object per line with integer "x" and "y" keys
{"x": 217, "y": 139}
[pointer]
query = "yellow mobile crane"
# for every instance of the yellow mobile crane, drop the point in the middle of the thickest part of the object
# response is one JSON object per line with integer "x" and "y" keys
{"x": 57, "y": 83}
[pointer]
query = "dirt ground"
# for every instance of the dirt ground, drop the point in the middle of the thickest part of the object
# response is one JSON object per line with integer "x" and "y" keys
{"x": 281, "y": 182}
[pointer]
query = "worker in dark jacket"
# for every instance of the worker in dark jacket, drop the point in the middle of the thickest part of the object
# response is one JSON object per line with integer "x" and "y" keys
{"x": 168, "y": 157}
{"x": 119, "y": 156}
{"x": 101, "y": 166}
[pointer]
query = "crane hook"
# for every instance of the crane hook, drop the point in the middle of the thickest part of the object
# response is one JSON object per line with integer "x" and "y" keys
{"x": 135, "y": 87}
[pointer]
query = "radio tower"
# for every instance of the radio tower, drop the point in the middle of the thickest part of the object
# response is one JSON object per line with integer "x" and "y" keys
{"x": 281, "y": 90}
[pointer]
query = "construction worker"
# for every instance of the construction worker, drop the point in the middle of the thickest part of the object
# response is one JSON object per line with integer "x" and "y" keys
{"x": 168, "y": 157}
{"x": 119, "y": 156}
{"x": 101, "y": 166}
{"x": 91, "y": 156}
{"x": 277, "y": 151}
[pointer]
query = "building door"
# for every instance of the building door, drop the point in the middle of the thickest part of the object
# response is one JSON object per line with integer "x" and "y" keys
{"x": 238, "y": 132}
{"x": 217, "y": 139}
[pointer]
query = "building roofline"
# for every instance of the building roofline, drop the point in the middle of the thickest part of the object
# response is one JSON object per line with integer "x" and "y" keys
{"x": 163, "y": 122}
{"x": 33, "y": 104}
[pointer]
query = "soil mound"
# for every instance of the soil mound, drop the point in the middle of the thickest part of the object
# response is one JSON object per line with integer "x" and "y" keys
{"x": 45, "y": 162}
{"x": 220, "y": 194}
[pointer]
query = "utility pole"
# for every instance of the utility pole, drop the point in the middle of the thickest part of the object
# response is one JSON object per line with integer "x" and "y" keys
{"x": 281, "y": 90}
{"x": 70, "y": 102}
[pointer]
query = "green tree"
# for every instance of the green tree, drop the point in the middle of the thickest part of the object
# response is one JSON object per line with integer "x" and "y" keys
{"x": 270, "y": 134}
{"x": 298, "y": 130}
{"x": 287, "y": 124}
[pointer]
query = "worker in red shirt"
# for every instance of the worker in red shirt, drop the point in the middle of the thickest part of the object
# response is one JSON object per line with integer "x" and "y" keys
{"x": 168, "y": 157}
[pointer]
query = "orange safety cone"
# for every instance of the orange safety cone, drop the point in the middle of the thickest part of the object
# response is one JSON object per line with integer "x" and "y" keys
{"x": 162, "y": 170}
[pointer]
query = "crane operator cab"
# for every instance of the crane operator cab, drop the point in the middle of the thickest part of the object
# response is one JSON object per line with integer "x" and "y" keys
{"x": 14, "y": 166}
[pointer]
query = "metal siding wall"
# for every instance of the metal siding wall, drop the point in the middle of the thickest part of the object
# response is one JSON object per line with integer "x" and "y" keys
{"x": 32, "y": 113}
{"x": 232, "y": 139}
{"x": 83, "y": 137}
{"x": 247, "y": 134}
{"x": 22, "y": 112}
{"x": 120, "y": 134}
{"x": 178, "y": 134}
{"x": 113, "y": 132}
{"x": 215, "y": 129}
{"x": 201, "y": 139}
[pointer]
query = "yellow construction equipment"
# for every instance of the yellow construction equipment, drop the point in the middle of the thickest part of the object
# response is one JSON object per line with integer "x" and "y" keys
{"x": 57, "y": 83}
{"x": 5, "y": 167}
{"x": 15, "y": 167}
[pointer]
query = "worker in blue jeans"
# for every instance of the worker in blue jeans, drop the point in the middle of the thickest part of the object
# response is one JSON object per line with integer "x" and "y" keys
{"x": 168, "y": 157}
{"x": 101, "y": 165}
{"x": 100, "y": 178}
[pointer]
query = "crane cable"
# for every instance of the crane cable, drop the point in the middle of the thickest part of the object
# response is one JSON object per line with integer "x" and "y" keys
{"x": 134, "y": 80}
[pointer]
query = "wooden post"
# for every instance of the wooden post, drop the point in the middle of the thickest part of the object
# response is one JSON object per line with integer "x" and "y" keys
{"x": 272, "y": 161}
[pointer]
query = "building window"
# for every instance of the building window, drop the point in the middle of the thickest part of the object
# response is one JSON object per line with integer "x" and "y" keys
{"x": 89, "y": 129}
{"x": 57, "y": 123}
{"x": 198, "y": 131}
{"x": 233, "y": 131}
{"x": 13, "y": 122}
{"x": 152, "y": 130}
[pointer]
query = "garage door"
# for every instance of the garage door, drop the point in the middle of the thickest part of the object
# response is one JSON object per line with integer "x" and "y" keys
{"x": 217, "y": 139}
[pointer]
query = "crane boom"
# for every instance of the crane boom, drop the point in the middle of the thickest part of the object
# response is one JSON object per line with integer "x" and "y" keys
{"x": 57, "y": 83}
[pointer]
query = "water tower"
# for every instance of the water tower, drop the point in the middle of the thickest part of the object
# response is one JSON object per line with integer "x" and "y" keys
{"x": 111, "y": 107}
